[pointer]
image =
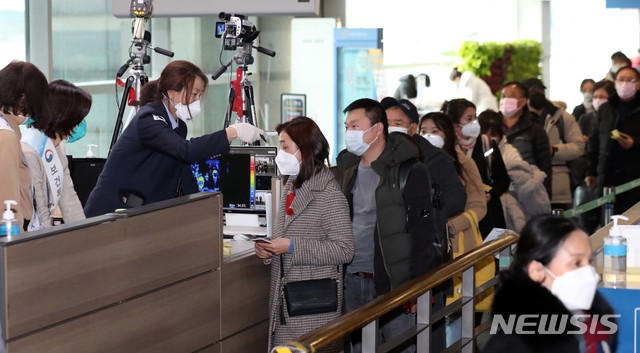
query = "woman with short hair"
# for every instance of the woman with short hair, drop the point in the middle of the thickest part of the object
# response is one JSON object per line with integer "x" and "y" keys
{"x": 46, "y": 156}
{"x": 23, "y": 94}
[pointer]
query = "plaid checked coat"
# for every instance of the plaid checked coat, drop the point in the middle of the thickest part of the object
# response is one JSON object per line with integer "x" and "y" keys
{"x": 323, "y": 241}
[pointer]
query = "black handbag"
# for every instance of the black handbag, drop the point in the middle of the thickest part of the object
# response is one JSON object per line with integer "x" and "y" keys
{"x": 309, "y": 297}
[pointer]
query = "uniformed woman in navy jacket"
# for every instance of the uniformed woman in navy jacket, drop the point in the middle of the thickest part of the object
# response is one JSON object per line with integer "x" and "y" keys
{"x": 148, "y": 159}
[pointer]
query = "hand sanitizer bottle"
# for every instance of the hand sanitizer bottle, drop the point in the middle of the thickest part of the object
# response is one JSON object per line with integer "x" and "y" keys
{"x": 9, "y": 226}
{"x": 614, "y": 274}
{"x": 90, "y": 153}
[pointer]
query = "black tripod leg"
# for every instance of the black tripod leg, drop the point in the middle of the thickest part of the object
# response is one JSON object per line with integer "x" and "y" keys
{"x": 227, "y": 118}
{"x": 250, "y": 111}
{"x": 123, "y": 105}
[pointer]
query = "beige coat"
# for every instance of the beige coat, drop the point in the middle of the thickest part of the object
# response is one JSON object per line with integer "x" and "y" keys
{"x": 15, "y": 182}
{"x": 69, "y": 203}
{"x": 476, "y": 201}
{"x": 570, "y": 146}
{"x": 323, "y": 240}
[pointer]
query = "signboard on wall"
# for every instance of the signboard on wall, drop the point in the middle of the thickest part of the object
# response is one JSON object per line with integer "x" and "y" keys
{"x": 171, "y": 8}
{"x": 292, "y": 105}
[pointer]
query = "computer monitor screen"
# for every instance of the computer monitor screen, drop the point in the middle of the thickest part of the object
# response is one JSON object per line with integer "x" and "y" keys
{"x": 243, "y": 176}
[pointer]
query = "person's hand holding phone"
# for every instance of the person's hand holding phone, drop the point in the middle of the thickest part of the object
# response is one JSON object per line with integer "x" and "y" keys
{"x": 261, "y": 251}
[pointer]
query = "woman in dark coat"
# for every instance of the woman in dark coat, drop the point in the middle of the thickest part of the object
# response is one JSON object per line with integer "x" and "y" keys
{"x": 312, "y": 231}
{"x": 552, "y": 275}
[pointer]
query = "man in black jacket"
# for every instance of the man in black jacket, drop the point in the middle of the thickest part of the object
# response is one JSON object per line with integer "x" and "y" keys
{"x": 393, "y": 227}
{"x": 449, "y": 195}
{"x": 523, "y": 132}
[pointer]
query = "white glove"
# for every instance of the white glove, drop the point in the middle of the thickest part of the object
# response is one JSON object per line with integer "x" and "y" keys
{"x": 247, "y": 133}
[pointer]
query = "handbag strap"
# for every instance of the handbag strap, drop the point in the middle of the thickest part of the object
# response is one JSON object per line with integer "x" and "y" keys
{"x": 281, "y": 267}
{"x": 282, "y": 270}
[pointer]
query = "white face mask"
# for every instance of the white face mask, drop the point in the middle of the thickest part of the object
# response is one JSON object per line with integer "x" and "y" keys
{"x": 471, "y": 129}
{"x": 615, "y": 68}
{"x": 435, "y": 140}
{"x": 401, "y": 129}
{"x": 597, "y": 102}
{"x": 186, "y": 113}
{"x": 287, "y": 163}
{"x": 625, "y": 90}
{"x": 509, "y": 107}
{"x": 354, "y": 140}
{"x": 576, "y": 288}
{"x": 587, "y": 100}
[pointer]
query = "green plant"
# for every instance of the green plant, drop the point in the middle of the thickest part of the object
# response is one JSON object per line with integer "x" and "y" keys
{"x": 522, "y": 58}
{"x": 478, "y": 57}
{"x": 525, "y": 60}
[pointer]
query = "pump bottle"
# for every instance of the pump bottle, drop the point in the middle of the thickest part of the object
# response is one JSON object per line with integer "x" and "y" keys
{"x": 9, "y": 226}
{"x": 614, "y": 274}
{"x": 90, "y": 153}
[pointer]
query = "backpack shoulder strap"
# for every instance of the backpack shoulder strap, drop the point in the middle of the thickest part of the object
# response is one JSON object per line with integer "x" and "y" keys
{"x": 405, "y": 169}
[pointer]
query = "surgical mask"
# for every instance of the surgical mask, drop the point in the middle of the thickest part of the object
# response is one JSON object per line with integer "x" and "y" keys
{"x": 615, "y": 68}
{"x": 625, "y": 90}
{"x": 354, "y": 140}
{"x": 28, "y": 121}
{"x": 185, "y": 112}
{"x": 471, "y": 129}
{"x": 287, "y": 163}
{"x": 401, "y": 129}
{"x": 509, "y": 107}
{"x": 182, "y": 111}
{"x": 78, "y": 132}
{"x": 587, "y": 100}
{"x": 576, "y": 288}
{"x": 597, "y": 102}
{"x": 435, "y": 140}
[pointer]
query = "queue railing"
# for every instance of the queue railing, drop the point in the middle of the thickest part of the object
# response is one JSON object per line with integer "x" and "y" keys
{"x": 367, "y": 317}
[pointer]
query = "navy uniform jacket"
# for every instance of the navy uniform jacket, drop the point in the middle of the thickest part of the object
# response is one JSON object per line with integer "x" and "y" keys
{"x": 148, "y": 160}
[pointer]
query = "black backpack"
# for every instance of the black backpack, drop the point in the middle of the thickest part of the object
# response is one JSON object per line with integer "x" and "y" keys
{"x": 441, "y": 247}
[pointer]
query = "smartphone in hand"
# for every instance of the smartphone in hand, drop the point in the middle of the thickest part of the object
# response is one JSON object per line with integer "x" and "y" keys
{"x": 257, "y": 238}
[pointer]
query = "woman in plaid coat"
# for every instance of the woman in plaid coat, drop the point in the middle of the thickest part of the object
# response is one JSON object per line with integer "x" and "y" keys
{"x": 313, "y": 238}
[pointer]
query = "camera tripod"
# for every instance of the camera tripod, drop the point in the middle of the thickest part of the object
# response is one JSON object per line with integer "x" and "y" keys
{"x": 137, "y": 78}
{"x": 241, "y": 97}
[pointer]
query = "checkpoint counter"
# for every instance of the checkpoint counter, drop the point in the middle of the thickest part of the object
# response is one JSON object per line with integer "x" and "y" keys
{"x": 625, "y": 301}
{"x": 150, "y": 279}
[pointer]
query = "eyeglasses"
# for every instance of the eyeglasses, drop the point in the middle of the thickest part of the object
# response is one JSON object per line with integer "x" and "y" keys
{"x": 627, "y": 79}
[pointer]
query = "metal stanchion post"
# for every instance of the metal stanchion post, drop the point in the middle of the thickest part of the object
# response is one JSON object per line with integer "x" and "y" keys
{"x": 607, "y": 208}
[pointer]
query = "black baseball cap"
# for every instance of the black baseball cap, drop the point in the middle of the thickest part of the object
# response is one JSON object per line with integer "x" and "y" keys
{"x": 534, "y": 82}
{"x": 407, "y": 107}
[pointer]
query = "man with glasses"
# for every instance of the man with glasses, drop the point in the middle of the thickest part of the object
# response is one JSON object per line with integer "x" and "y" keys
{"x": 613, "y": 151}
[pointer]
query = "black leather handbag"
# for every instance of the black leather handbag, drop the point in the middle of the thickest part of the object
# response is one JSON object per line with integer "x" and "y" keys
{"x": 309, "y": 297}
